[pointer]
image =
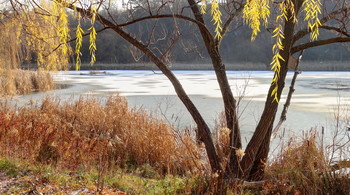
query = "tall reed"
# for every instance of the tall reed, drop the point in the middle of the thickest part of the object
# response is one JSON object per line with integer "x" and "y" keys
{"x": 20, "y": 82}
{"x": 88, "y": 132}
{"x": 303, "y": 167}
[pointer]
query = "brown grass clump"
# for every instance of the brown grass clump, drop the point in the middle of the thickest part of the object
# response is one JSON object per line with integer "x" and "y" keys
{"x": 19, "y": 82}
{"x": 303, "y": 168}
{"x": 222, "y": 137}
{"x": 89, "y": 132}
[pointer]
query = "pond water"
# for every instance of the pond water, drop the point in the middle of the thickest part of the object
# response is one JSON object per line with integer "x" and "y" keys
{"x": 316, "y": 95}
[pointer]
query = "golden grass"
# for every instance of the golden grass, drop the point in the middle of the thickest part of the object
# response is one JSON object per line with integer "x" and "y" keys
{"x": 222, "y": 137}
{"x": 19, "y": 82}
{"x": 303, "y": 168}
{"x": 89, "y": 133}
{"x": 105, "y": 135}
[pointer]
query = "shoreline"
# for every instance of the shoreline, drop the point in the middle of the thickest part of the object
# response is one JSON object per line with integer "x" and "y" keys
{"x": 245, "y": 66}
{"x": 236, "y": 66}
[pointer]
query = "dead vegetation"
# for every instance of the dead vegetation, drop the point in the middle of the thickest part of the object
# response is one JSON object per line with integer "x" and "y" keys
{"x": 99, "y": 136}
{"x": 89, "y": 133}
{"x": 304, "y": 167}
{"x": 20, "y": 82}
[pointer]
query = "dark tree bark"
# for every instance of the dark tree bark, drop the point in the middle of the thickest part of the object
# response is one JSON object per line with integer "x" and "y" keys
{"x": 258, "y": 147}
{"x": 212, "y": 47}
{"x": 320, "y": 43}
{"x": 258, "y": 169}
{"x": 230, "y": 104}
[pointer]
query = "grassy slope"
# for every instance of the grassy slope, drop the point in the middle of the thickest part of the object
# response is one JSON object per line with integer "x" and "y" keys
{"x": 21, "y": 177}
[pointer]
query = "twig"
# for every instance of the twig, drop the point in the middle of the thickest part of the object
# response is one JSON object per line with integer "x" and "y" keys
{"x": 71, "y": 40}
{"x": 289, "y": 97}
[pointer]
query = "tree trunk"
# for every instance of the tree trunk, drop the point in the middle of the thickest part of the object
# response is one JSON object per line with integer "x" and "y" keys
{"x": 212, "y": 47}
{"x": 258, "y": 169}
{"x": 257, "y": 139}
{"x": 258, "y": 147}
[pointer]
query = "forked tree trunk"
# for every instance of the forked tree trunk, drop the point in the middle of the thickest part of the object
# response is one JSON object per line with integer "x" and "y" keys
{"x": 258, "y": 146}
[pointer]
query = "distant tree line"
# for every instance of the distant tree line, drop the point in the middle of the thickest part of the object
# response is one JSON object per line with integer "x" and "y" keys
{"x": 112, "y": 49}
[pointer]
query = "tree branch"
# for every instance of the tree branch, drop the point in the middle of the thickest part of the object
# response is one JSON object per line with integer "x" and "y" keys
{"x": 166, "y": 16}
{"x": 227, "y": 24}
{"x": 336, "y": 29}
{"x": 306, "y": 31}
{"x": 71, "y": 40}
{"x": 319, "y": 43}
{"x": 289, "y": 97}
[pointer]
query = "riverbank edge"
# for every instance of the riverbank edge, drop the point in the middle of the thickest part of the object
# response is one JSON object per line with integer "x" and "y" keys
{"x": 304, "y": 66}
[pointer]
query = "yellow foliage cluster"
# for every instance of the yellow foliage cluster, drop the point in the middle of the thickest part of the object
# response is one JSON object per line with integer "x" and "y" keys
{"x": 40, "y": 34}
{"x": 204, "y": 7}
{"x": 63, "y": 27}
{"x": 79, "y": 42}
{"x": 93, "y": 35}
{"x": 255, "y": 12}
{"x": 216, "y": 15}
{"x": 312, "y": 9}
{"x": 277, "y": 47}
{"x": 10, "y": 52}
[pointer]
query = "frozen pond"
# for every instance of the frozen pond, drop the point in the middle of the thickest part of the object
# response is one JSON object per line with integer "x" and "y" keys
{"x": 316, "y": 95}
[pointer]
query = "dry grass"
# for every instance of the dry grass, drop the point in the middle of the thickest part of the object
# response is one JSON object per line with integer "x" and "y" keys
{"x": 303, "y": 167}
{"x": 222, "y": 137}
{"x": 19, "y": 82}
{"x": 89, "y": 133}
{"x": 95, "y": 134}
